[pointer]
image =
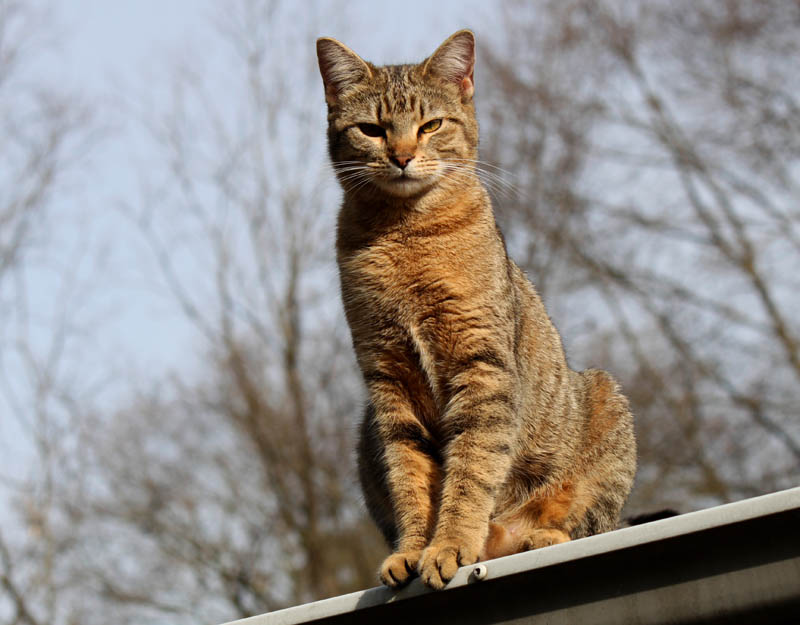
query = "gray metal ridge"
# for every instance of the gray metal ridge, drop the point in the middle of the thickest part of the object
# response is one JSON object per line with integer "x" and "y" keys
{"x": 652, "y": 532}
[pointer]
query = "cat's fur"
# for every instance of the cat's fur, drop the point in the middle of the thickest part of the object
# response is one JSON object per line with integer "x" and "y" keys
{"x": 478, "y": 441}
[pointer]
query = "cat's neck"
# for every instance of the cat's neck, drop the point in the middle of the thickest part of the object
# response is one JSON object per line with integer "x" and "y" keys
{"x": 369, "y": 216}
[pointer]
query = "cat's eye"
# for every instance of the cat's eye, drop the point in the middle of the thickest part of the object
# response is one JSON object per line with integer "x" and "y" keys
{"x": 430, "y": 126}
{"x": 372, "y": 130}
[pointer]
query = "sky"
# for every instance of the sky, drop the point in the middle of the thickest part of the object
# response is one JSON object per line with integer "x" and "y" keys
{"x": 109, "y": 50}
{"x": 112, "y": 54}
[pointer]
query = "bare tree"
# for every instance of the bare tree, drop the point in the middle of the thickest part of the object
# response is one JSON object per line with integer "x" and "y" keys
{"x": 655, "y": 148}
{"x": 229, "y": 489}
{"x": 652, "y": 148}
{"x": 46, "y": 134}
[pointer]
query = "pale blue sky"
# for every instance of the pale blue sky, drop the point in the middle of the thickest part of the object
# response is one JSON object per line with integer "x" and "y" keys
{"x": 112, "y": 52}
{"x": 110, "y": 49}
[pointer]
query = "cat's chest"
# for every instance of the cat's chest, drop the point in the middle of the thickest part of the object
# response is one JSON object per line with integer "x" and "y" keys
{"x": 407, "y": 281}
{"x": 400, "y": 303}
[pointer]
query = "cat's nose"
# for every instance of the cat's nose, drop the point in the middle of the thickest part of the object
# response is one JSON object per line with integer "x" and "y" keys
{"x": 401, "y": 160}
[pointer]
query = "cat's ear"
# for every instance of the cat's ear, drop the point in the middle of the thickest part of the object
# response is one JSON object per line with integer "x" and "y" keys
{"x": 454, "y": 61}
{"x": 340, "y": 67}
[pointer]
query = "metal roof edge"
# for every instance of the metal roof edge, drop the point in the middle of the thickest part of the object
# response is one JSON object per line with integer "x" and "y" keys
{"x": 624, "y": 538}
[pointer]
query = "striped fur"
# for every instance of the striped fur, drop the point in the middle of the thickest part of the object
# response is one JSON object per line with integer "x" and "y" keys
{"x": 478, "y": 441}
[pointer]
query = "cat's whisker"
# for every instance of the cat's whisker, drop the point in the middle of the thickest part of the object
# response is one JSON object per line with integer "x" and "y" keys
{"x": 356, "y": 177}
{"x": 337, "y": 163}
{"x": 508, "y": 188}
{"x": 479, "y": 164}
{"x": 348, "y": 172}
{"x": 498, "y": 183}
{"x": 353, "y": 178}
{"x": 352, "y": 170}
{"x": 359, "y": 184}
{"x": 494, "y": 183}
{"x": 352, "y": 188}
{"x": 348, "y": 167}
{"x": 457, "y": 169}
{"x": 488, "y": 170}
{"x": 485, "y": 164}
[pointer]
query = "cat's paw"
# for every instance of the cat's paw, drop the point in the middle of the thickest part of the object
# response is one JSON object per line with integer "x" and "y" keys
{"x": 399, "y": 568}
{"x": 441, "y": 560}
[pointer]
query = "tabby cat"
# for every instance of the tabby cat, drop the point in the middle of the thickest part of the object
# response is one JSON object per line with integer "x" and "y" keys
{"x": 478, "y": 440}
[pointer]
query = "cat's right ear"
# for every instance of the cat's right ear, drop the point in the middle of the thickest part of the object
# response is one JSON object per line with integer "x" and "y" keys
{"x": 340, "y": 68}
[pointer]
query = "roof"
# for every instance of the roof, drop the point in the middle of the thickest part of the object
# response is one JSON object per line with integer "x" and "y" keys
{"x": 735, "y": 563}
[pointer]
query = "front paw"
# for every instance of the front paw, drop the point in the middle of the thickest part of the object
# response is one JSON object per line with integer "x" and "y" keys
{"x": 398, "y": 568}
{"x": 441, "y": 560}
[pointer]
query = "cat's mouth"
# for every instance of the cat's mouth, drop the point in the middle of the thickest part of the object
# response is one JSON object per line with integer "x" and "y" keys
{"x": 405, "y": 173}
{"x": 405, "y": 183}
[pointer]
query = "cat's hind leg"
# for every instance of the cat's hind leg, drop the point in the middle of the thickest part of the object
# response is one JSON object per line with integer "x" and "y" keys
{"x": 505, "y": 540}
{"x": 608, "y": 454}
{"x": 590, "y": 500}
{"x": 546, "y": 519}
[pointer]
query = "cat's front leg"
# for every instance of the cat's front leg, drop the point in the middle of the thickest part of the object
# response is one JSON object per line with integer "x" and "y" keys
{"x": 401, "y": 476}
{"x": 482, "y": 426}
{"x": 414, "y": 479}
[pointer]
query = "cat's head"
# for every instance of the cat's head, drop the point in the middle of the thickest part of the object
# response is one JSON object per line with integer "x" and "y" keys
{"x": 400, "y": 129}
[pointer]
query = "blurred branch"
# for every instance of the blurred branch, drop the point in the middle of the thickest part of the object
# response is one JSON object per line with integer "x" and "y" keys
{"x": 23, "y": 614}
{"x": 663, "y": 217}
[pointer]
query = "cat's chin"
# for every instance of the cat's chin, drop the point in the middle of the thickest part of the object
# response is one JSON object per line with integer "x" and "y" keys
{"x": 405, "y": 187}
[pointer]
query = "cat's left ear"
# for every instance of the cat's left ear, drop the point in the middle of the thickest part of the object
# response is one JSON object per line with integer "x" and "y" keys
{"x": 454, "y": 61}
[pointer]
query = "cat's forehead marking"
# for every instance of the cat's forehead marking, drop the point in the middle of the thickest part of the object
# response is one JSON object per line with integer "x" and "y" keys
{"x": 400, "y": 93}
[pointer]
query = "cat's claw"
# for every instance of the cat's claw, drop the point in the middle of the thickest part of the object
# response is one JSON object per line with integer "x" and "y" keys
{"x": 399, "y": 568}
{"x": 440, "y": 561}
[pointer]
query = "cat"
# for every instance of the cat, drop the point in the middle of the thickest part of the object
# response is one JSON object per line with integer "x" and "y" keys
{"x": 478, "y": 440}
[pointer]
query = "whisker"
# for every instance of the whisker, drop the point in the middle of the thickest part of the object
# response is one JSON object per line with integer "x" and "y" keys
{"x": 354, "y": 175}
{"x": 487, "y": 175}
{"x": 355, "y": 180}
{"x": 347, "y": 174}
{"x": 484, "y": 164}
{"x": 353, "y": 172}
{"x": 360, "y": 181}
{"x": 349, "y": 168}
{"x": 507, "y": 188}
{"x": 494, "y": 183}
{"x": 337, "y": 163}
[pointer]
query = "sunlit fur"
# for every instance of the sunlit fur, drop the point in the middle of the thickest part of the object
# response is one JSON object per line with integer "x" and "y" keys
{"x": 478, "y": 440}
